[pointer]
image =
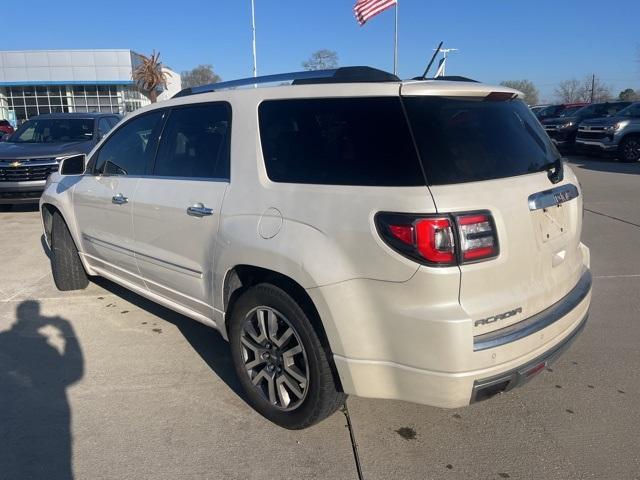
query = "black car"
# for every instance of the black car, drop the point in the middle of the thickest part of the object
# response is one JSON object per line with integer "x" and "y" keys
{"x": 564, "y": 128}
{"x": 32, "y": 152}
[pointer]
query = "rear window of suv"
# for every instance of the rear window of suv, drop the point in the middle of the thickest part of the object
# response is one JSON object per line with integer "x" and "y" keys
{"x": 339, "y": 141}
{"x": 469, "y": 139}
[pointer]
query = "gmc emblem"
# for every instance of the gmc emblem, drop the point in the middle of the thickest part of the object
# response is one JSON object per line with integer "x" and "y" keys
{"x": 496, "y": 318}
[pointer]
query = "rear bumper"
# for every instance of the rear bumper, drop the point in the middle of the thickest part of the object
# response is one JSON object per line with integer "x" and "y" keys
{"x": 488, "y": 387}
{"x": 428, "y": 355}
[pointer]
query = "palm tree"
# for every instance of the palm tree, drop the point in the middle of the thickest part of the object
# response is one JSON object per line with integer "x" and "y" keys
{"x": 149, "y": 76}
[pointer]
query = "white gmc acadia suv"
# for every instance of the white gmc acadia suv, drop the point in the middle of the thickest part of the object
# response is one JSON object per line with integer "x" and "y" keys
{"x": 350, "y": 233}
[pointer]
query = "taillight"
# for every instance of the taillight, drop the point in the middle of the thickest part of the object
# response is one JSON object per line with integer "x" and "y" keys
{"x": 478, "y": 239}
{"x": 440, "y": 240}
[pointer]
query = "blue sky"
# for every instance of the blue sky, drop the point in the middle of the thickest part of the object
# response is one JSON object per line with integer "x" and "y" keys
{"x": 545, "y": 41}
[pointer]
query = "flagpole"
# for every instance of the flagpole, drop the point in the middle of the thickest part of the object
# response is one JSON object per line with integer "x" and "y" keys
{"x": 395, "y": 43}
{"x": 253, "y": 33}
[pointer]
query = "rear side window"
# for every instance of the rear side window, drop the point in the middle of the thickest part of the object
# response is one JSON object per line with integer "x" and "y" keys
{"x": 195, "y": 142}
{"x": 129, "y": 150}
{"x": 468, "y": 140}
{"x": 339, "y": 141}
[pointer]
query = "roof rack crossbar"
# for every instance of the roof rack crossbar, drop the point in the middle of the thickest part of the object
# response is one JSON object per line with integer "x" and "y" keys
{"x": 337, "y": 75}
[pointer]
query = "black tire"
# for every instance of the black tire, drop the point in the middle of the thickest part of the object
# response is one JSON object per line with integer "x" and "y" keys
{"x": 5, "y": 207}
{"x": 68, "y": 272}
{"x": 322, "y": 398}
{"x": 629, "y": 149}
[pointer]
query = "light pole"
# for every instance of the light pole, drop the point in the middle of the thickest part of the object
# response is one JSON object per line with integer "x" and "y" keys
{"x": 253, "y": 33}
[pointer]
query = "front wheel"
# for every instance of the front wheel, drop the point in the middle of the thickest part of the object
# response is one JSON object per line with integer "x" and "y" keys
{"x": 281, "y": 365}
{"x": 629, "y": 151}
{"x": 67, "y": 269}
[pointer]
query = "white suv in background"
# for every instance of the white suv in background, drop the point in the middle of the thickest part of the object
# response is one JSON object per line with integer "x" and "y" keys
{"x": 350, "y": 233}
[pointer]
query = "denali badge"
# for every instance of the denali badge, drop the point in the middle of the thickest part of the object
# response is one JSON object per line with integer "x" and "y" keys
{"x": 495, "y": 318}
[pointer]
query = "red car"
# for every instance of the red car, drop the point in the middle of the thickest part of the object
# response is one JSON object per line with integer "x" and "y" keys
{"x": 5, "y": 127}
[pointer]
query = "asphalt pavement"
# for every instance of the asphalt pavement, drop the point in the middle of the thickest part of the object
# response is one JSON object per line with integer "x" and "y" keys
{"x": 103, "y": 384}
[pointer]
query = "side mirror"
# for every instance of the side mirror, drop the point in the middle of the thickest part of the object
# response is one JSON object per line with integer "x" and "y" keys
{"x": 73, "y": 165}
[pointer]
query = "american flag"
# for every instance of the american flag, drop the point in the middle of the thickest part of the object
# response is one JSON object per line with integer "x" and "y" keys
{"x": 365, "y": 9}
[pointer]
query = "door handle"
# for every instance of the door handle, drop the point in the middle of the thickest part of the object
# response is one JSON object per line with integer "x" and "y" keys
{"x": 119, "y": 199}
{"x": 199, "y": 210}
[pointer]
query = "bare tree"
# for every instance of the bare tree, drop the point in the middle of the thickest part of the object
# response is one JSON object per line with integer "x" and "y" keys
{"x": 591, "y": 89}
{"x": 200, "y": 75}
{"x": 531, "y": 95}
{"x": 150, "y": 77}
{"x": 321, "y": 60}
{"x": 569, "y": 91}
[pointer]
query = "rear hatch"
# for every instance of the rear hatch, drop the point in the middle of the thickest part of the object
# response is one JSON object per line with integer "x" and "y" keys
{"x": 486, "y": 151}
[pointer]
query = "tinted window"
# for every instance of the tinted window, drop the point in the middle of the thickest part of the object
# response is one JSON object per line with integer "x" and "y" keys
{"x": 130, "y": 148}
{"x": 632, "y": 110}
{"x": 341, "y": 141}
{"x": 113, "y": 121}
{"x": 570, "y": 111}
{"x": 467, "y": 140}
{"x": 103, "y": 127}
{"x": 54, "y": 130}
{"x": 195, "y": 142}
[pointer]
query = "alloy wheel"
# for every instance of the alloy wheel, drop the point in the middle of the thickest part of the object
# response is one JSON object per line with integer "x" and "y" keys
{"x": 631, "y": 151}
{"x": 274, "y": 358}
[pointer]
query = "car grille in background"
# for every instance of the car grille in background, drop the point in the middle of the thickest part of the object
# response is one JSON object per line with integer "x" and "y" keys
{"x": 592, "y": 135}
{"x": 26, "y": 170}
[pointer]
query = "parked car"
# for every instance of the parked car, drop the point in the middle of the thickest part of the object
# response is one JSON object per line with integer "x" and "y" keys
{"x": 535, "y": 109}
{"x": 33, "y": 152}
{"x": 553, "y": 111}
{"x": 564, "y": 128}
{"x": 350, "y": 234}
{"x": 5, "y": 129}
{"x": 619, "y": 134}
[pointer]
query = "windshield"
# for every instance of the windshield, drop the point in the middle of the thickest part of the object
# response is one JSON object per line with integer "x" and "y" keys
{"x": 54, "y": 130}
{"x": 571, "y": 111}
{"x": 468, "y": 139}
{"x": 632, "y": 110}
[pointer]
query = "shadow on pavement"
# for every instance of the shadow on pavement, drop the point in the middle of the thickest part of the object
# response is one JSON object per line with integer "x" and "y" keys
{"x": 35, "y": 416}
{"x": 206, "y": 341}
{"x": 605, "y": 165}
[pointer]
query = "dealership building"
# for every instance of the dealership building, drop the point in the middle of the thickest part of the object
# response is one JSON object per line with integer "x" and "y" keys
{"x": 50, "y": 81}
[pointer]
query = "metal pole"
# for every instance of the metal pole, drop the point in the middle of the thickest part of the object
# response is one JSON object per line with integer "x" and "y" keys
{"x": 395, "y": 44}
{"x": 253, "y": 33}
{"x": 593, "y": 84}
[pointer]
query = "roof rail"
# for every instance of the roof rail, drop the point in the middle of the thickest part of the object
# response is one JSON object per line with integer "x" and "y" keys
{"x": 338, "y": 75}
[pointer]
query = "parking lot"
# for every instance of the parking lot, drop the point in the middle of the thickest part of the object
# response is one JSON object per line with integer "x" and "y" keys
{"x": 118, "y": 387}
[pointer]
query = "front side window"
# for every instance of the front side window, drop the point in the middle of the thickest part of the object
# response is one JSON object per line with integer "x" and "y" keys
{"x": 103, "y": 127}
{"x": 339, "y": 141}
{"x": 54, "y": 130}
{"x": 632, "y": 110}
{"x": 468, "y": 139}
{"x": 195, "y": 142}
{"x": 129, "y": 150}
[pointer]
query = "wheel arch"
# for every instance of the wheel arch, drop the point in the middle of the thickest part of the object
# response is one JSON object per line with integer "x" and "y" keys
{"x": 241, "y": 277}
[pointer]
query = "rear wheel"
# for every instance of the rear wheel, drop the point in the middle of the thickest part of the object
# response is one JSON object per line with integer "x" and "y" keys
{"x": 281, "y": 365}
{"x": 629, "y": 150}
{"x": 68, "y": 272}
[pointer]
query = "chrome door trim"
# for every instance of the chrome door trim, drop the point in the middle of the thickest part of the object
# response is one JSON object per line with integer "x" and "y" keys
{"x": 553, "y": 197}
